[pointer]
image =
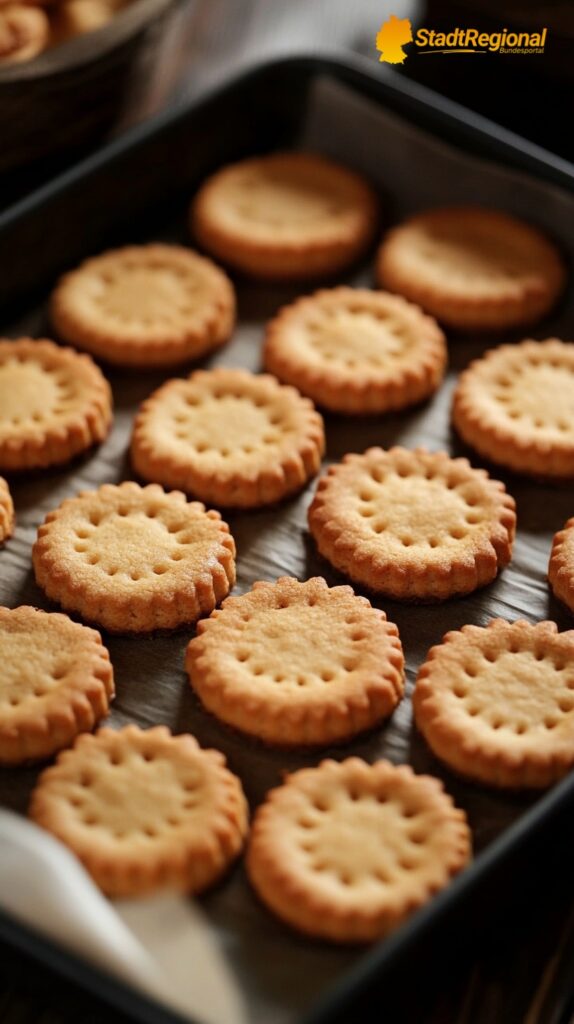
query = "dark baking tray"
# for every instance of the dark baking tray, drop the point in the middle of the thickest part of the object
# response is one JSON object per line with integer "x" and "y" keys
{"x": 138, "y": 189}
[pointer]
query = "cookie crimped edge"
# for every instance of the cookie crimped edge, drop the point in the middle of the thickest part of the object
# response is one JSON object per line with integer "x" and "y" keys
{"x": 45, "y": 733}
{"x": 474, "y": 312}
{"x": 285, "y": 260}
{"x": 423, "y": 583}
{"x": 335, "y": 719}
{"x": 176, "y": 347}
{"x": 7, "y": 515}
{"x": 312, "y": 913}
{"x": 160, "y": 611}
{"x": 188, "y": 869}
{"x": 409, "y": 385}
{"x": 284, "y": 477}
{"x": 560, "y": 572}
{"x": 530, "y": 456}
{"x": 474, "y": 759}
{"x": 63, "y": 441}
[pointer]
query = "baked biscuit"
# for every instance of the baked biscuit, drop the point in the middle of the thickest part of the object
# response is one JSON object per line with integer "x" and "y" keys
{"x": 56, "y": 682}
{"x": 134, "y": 559}
{"x": 6, "y": 512}
{"x": 496, "y": 704}
{"x": 414, "y": 525}
{"x": 24, "y": 32}
{"x": 232, "y": 438}
{"x": 144, "y": 810}
{"x": 515, "y": 406}
{"x": 356, "y": 351}
{"x": 285, "y": 216}
{"x": 472, "y": 268}
{"x": 145, "y": 305}
{"x": 54, "y": 404}
{"x": 253, "y": 665}
{"x": 561, "y": 567}
{"x": 347, "y": 851}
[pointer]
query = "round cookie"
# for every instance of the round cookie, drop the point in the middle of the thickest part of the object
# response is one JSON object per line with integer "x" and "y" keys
{"x": 412, "y": 524}
{"x": 347, "y": 851}
{"x": 144, "y": 810}
{"x": 356, "y": 351}
{"x": 515, "y": 406}
{"x": 253, "y": 666}
{"x": 561, "y": 567}
{"x": 232, "y": 438}
{"x": 285, "y": 216}
{"x": 472, "y": 268}
{"x": 496, "y": 704}
{"x": 134, "y": 559}
{"x": 56, "y": 682}
{"x": 6, "y": 512}
{"x": 24, "y": 32}
{"x": 145, "y": 305}
{"x": 54, "y": 404}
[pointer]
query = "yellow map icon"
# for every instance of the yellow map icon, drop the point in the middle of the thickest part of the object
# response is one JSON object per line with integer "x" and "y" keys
{"x": 391, "y": 37}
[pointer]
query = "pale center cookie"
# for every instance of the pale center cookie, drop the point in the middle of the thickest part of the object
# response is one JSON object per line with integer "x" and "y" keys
{"x": 528, "y": 388}
{"x": 153, "y": 296}
{"x": 230, "y": 425}
{"x": 358, "y": 339}
{"x": 280, "y": 199}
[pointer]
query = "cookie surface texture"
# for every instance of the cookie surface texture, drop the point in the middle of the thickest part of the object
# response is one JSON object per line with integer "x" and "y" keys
{"x": 54, "y": 404}
{"x": 56, "y": 682}
{"x": 285, "y": 216}
{"x": 229, "y": 437}
{"x": 561, "y": 567}
{"x": 496, "y": 704}
{"x": 297, "y": 663}
{"x": 515, "y": 406}
{"x": 347, "y": 851}
{"x": 149, "y": 305}
{"x": 472, "y": 268}
{"x": 144, "y": 810}
{"x": 7, "y": 518}
{"x": 412, "y": 524}
{"x": 356, "y": 351}
{"x": 134, "y": 559}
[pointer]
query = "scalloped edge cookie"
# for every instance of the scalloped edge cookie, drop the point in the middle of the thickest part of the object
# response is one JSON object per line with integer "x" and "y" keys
{"x": 561, "y": 566}
{"x": 7, "y": 517}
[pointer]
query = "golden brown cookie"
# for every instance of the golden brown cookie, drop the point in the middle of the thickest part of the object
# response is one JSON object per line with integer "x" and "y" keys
{"x": 76, "y": 17}
{"x": 472, "y": 268}
{"x": 412, "y": 524}
{"x": 145, "y": 305}
{"x": 347, "y": 851}
{"x": 515, "y": 406}
{"x": 356, "y": 351}
{"x": 232, "y": 438}
{"x": 56, "y": 682}
{"x": 24, "y": 32}
{"x": 285, "y": 216}
{"x": 253, "y": 665}
{"x": 54, "y": 404}
{"x": 6, "y": 512}
{"x": 496, "y": 704}
{"x": 144, "y": 810}
{"x": 134, "y": 559}
{"x": 561, "y": 567}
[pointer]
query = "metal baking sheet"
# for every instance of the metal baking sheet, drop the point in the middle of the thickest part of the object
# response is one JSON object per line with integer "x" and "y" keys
{"x": 413, "y": 169}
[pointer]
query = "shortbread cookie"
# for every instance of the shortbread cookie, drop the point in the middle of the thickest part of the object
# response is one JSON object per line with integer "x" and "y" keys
{"x": 54, "y": 404}
{"x": 134, "y": 559}
{"x": 285, "y": 216}
{"x": 496, "y": 704}
{"x": 414, "y": 525}
{"x": 298, "y": 663}
{"x": 144, "y": 810}
{"x": 515, "y": 406}
{"x": 6, "y": 512}
{"x": 561, "y": 567}
{"x": 472, "y": 268}
{"x": 145, "y": 305}
{"x": 347, "y": 851}
{"x": 230, "y": 437}
{"x": 356, "y": 351}
{"x": 56, "y": 682}
{"x": 24, "y": 33}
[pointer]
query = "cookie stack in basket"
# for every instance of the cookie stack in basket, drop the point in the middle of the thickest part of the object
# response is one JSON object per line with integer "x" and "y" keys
{"x": 343, "y": 849}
